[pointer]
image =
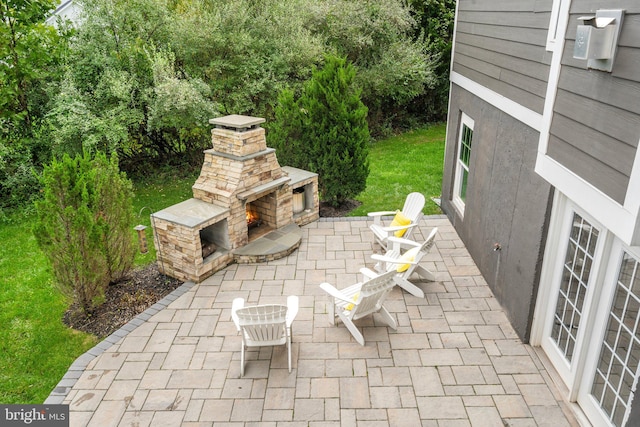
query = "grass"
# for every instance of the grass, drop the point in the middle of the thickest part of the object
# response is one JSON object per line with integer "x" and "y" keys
{"x": 155, "y": 192}
{"x": 36, "y": 348}
{"x": 402, "y": 164}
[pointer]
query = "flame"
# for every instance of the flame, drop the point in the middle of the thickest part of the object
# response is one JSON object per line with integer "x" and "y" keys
{"x": 252, "y": 216}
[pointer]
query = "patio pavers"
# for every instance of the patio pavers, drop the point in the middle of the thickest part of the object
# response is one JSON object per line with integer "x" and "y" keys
{"x": 453, "y": 361}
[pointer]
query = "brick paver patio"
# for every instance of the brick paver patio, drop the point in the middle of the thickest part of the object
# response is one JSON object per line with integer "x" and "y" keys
{"x": 453, "y": 361}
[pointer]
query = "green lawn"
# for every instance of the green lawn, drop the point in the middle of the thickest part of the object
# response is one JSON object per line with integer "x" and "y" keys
{"x": 36, "y": 348}
{"x": 402, "y": 164}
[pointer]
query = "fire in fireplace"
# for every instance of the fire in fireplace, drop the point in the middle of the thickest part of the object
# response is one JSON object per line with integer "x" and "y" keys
{"x": 253, "y": 219}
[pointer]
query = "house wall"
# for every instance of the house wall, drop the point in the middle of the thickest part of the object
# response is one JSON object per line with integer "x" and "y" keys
{"x": 507, "y": 203}
{"x": 594, "y": 132}
{"x": 501, "y": 45}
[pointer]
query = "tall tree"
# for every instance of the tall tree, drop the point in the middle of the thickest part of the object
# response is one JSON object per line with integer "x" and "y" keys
{"x": 29, "y": 49}
{"x": 435, "y": 20}
{"x": 327, "y": 130}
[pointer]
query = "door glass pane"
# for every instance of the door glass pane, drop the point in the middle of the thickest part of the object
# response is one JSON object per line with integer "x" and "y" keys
{"x": 617, "y": 368}
{"x": 574, "y": 283}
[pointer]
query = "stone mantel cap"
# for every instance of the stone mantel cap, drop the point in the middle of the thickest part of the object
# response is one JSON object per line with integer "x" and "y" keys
{"x": 237, "y": 121}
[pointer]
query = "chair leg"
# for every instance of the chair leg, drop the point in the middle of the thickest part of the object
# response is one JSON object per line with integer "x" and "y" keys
{"x": 388, "y": 318}
{"x": 331, "y": 307}
{"x": 242, "y": 361}
{"x": 424, "y": 273}
{"x": 289, "y": 348}
{"x": 409, "y": 287}
{"x": 353, "y": 329}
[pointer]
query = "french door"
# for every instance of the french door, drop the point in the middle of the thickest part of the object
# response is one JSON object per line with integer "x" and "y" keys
{"x": 581, "y": 241}
{"x": 591, "y": 316}
{"x": 611, "y": 372}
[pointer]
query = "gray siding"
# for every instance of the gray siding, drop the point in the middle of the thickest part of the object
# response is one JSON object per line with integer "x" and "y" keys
{"x": 596, "y": 121}
{"x": 501, "y": 45}
{"x": 506, "y": 203}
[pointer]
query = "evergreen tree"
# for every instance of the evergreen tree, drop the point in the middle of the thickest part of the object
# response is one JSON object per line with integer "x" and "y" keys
{"x": 83, "y": 226}
{"x": 114, "y": 214}
{"x": 67, "y": 233}
{"x": 286, "y": 132}
{"x": 326, "y": 131}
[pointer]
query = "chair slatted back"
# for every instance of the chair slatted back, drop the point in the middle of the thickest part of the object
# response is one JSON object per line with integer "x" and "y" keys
{"x": 413, "y": 205}
{"x": 263, "y": 322}
{"x": 412, "y": 209}
{"x": 395, "y": 253}
{"x": 372, "y": 295}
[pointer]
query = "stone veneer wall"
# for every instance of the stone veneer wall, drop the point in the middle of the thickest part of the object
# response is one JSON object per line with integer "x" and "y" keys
{"x": 179, "y": 249}
{"x": 238, "y": 163}
{"x": 239, "y": 169}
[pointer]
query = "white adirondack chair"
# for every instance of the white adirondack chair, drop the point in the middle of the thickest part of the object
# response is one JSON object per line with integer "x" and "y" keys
{"x": 403, "y": 222}
{"x": 404, "y": 263}
{"x": 264, "y": 325}
{"x": 360, "y": 300}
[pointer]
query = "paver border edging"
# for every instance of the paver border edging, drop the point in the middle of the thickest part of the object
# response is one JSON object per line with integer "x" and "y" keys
{"x": 62, "y": 389}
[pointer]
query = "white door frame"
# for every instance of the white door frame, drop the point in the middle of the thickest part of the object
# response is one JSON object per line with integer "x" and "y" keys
{"x": 552, "y": 270}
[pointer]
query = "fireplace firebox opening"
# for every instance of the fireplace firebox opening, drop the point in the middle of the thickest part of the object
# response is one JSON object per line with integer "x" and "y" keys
{"x": 261, "y": 216}
{"x": 214, "y": 238}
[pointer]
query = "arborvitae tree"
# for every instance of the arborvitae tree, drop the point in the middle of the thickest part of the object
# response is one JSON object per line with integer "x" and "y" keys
{"x": 114, "y": 214}
{"x": 285, "y": 133}
{"x": 83, "y": 226}
{"x": 67, "y": 233}
{"x": 326, "y": 131}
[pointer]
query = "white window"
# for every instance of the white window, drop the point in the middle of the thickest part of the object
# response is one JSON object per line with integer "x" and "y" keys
{"x": 465, "y": 138}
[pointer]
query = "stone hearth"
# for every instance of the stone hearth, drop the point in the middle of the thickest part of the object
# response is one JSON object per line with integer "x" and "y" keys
{"x": 202, "y": 235}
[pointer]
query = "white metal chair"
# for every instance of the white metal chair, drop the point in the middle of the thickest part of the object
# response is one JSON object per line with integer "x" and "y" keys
{"x": 360, "y": 300}
{"x": 404, "y": 263}
{"x": 403, "y": 221}
{"x": 264, "y": 325}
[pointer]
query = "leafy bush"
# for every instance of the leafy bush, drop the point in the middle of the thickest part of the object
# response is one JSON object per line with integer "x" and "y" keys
{"x": 377, "y": 38}
{"x": 326, "y": 131}
{"x": 83, "y": 226}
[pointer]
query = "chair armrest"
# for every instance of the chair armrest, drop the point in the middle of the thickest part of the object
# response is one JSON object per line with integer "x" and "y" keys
{"x": 377, "y": 216}
{"x": 403, "y": 241}
{"x": 292, "y": 309}
{"x": 392, "y": 260}
{"x": 368, "y": 273}
{"x": 399, "y": 227}
{"x": 331, "y": 290}
{"x": 399, "y": 243}
{"x": 381, "y": 213}
{"x": 236, "y": 305}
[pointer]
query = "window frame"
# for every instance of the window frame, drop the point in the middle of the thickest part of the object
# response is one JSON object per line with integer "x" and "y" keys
{"x": 462, "y": 170}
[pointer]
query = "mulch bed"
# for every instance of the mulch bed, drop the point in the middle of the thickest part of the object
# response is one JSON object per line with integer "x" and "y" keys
{"x": 124, "y": 301}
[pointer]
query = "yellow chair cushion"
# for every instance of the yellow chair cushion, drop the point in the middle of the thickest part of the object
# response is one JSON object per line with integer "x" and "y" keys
{"x": 399, "y": 220}
{"x": 354, "y": 299}
{"x": 410, "y": 256}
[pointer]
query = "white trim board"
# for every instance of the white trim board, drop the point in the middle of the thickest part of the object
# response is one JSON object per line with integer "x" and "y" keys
{"x": 501, "y": 102}
{"x": 621, "y": 220}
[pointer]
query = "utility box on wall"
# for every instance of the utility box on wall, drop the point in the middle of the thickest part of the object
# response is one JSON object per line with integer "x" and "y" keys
{"x": 597, "y": 39}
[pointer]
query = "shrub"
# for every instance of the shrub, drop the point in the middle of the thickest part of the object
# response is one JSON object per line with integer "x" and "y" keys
{"x": 83, "y": 224}
{"x": 326, "y": 131}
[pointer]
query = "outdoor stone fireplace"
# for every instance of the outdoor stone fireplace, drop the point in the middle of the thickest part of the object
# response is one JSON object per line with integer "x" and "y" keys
{"x": 245, "y": 206}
